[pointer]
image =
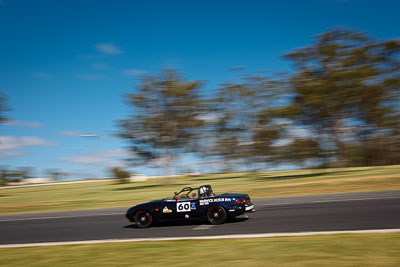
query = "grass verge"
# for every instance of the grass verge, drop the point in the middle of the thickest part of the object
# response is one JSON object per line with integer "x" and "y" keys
{"x": 105, "y": 194}
{"x": 333, "y": 250}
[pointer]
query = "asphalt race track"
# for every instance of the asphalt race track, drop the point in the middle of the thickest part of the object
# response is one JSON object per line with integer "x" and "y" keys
{"x": 354, "y": 211}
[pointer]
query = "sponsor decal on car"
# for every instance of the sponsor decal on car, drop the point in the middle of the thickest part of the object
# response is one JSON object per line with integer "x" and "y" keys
{"x": 166, "y": 210}
{"x": 193, "y": 206}
{"x": 203, "y": 202}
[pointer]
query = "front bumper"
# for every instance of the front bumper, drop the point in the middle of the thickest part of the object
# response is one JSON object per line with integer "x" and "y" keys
{"x": 130, "y": 217}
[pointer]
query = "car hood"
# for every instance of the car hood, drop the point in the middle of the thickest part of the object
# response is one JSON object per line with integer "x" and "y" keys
{"x": 143, "y": 206}
{"x": 151, "y": 202}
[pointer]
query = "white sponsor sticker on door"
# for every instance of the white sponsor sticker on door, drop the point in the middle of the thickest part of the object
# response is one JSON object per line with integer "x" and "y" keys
{"x": 183, "y": 206}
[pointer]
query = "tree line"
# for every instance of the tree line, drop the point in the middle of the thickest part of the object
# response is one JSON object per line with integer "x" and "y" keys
{"x": 338, "y": 107}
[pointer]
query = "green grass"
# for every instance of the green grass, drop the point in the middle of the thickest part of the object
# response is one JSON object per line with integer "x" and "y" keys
{"x": 262, "y": 184}
{"x": 336, "y": 250}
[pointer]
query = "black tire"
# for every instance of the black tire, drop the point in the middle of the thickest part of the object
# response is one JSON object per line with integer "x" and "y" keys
{"x": 216, "y": 215}
{"x": 143, "y": 219}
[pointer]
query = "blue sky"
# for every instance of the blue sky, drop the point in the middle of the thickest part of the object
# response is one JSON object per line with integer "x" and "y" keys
{"x": 65, "y": 65}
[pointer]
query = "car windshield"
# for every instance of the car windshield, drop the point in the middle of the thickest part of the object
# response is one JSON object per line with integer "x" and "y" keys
{"x": 188, "y": 193}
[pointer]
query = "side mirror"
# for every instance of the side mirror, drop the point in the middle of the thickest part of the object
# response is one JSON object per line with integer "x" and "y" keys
{"x": 176, "y": 197}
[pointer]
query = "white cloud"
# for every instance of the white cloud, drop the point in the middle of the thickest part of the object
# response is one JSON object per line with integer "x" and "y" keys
{"x": 69, "y": 133}
{"x": 6, "y": 153}
{"x": 300, "y": 133}
{"x": 113, "y": 153}
{"x": 108, "y": 48}
{"x": 282, "y": 122}
{"x": 209, "y": 117}
{"x": 8, "y": 144}
{"x": 27, "y": 124}
{"x": 99, "y": 66}
{"x": 132, "y": 72}
{"x": 97, "y": 157}
{"x": 293, "y": 133}
{"x": 282, "y": 142}
{"x": 14, "y": 142}
{"x": 162, "y": 161}
{"x": 42, "y": 75}
{"x": 74, "y": 133}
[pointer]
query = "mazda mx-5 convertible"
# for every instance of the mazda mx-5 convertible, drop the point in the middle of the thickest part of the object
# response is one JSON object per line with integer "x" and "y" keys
{"x": 198, "y": 203}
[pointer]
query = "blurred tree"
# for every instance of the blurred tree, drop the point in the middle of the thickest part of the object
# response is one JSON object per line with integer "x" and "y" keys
{"x": 165, "y": 119}
{"x": 346, "y": 93}
{"x": 241, "y": 131}
{"x": 24, "y": 172}
{"x": 300, "y": 151}
{"x": 3, "y": 175}
{"x": 340, "y": 107}
{"x": 9, "y": 175}
{"x": 56, "y": 174}
{"x": 3, "y": 108}
{"x": 121, "y": 175}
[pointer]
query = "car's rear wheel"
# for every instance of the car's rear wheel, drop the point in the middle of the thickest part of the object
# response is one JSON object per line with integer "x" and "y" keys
{"x": 216, "y": 215}
{"x": 143, "y": 219}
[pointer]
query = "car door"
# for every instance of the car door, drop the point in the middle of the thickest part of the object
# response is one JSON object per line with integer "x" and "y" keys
{"x": 195, "y": 209}
{"x": 168, "y": 209}
{"x": 181, "y": 209}
{"x": 173, "y": 210}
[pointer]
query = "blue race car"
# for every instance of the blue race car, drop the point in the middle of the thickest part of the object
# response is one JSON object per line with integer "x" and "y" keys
{"x": 198, "y": 203}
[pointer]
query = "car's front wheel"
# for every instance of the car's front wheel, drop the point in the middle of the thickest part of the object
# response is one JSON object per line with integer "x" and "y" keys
{"x": 216, "y": 215}
{"x": 143, "y": 219}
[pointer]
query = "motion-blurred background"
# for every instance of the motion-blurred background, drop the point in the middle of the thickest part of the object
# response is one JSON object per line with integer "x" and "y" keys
{"x": 175, "y": 87}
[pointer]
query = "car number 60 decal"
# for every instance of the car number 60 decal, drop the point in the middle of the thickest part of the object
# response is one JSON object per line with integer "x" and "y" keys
{"x": 182, "y": 206}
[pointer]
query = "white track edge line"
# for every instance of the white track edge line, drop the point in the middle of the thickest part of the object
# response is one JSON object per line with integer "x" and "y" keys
{"x": 234, "y": 236}
{"x": 327, "y": 201}
{"x": 203, "y": 227}
{"x": 60, "y": 217}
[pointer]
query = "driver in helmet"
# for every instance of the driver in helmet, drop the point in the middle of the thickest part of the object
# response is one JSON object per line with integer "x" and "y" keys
{"x": 203, "y": 191}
